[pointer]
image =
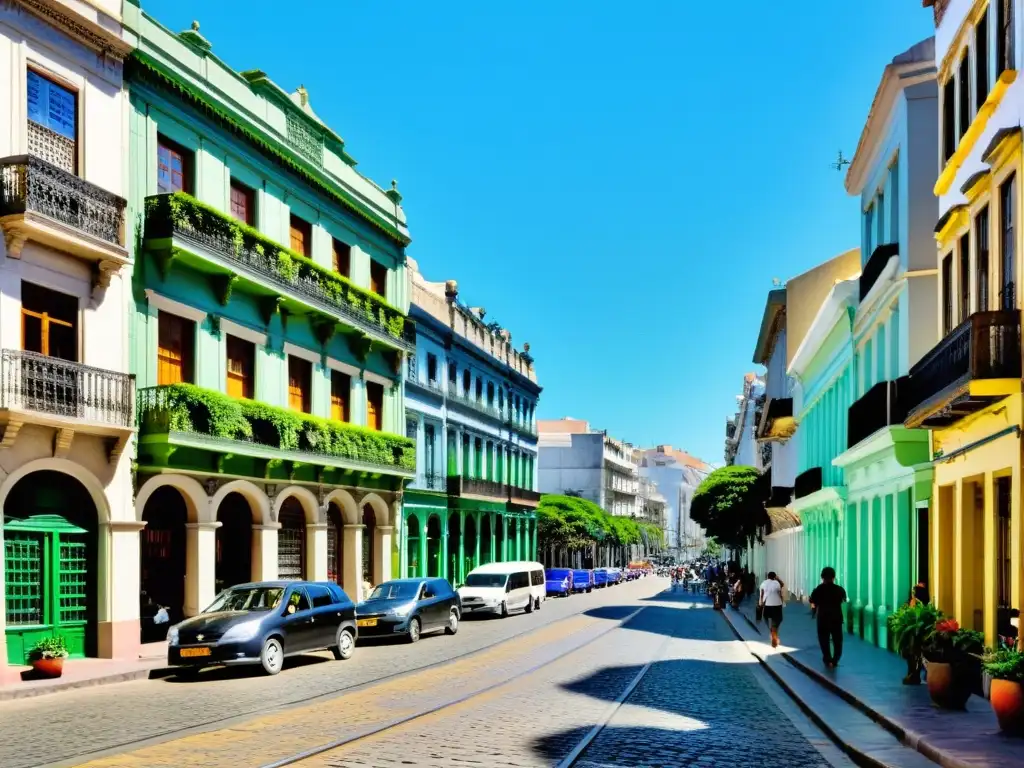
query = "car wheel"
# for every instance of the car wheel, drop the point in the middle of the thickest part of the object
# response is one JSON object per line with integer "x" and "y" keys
{"x": 272, "y": 656}
{"x": 504, "y": 609}
{"x": 529, "y": 605}
{"x": 453, "y": 622}
{"x": 414, "y": 630}
{"x": 588, "y": 590}
{"x": 345, "y": 646}
{"x": 538, "y": 604}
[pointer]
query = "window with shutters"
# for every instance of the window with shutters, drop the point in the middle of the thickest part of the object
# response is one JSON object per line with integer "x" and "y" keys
{"x": 965, "y": 93}
{"x": 49, "y": 322}
{"x": 301, "y": 235}
{"x": 52, "y": 121}
{"x": 981, "y": 60}
{"x": 1007, "y": 245}
{"x": 341, "y": 388}
{"x": 300, "y": 381}
{"x": 1005, "y": 43}
{"x": 964, "y": 278}
{"x": 243, "y": 203}
{"x": 173, "y": 167}
{"x": 374, "y": 405}
{"x": 981, "y": 258}
{"x": 378, "y": 278}
{"x": 175, "y": 348}
{"x": 241, "y": 367}
{"x": 342, "y": 254}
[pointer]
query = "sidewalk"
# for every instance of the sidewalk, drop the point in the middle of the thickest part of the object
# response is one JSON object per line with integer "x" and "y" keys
{"x": 869, "y": 679}
{"x": 16, "y": 682}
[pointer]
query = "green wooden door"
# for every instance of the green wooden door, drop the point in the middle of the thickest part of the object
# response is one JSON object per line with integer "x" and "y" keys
{"x": 46, "y": 565}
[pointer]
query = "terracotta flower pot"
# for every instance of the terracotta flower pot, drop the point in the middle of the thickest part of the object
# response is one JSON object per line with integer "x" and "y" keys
{"x": 1007, "y": 699}
{"x": 48, "y": 668}
{"x": 950, "y": 685}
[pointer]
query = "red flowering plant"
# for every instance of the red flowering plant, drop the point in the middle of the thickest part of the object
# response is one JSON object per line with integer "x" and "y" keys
{"x": 949, "y": 643}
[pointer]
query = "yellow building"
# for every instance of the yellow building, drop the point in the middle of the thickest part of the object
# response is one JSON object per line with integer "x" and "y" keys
{"x": 967, "y": 389}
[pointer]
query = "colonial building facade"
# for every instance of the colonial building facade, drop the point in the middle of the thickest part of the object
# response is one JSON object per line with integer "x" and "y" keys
{"x": 471, "y": 400}
{"x": 66, "y": 398}
{"x": 268, "y": 336}
{"x": 886, "y": 465}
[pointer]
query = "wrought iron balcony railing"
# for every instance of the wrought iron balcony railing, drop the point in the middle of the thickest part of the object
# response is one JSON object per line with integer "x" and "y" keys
{"x": 985, "y": 346}
{"x": 480, "y": 406}
{"x": 876, "y": 263}
{"x": 435, "y": 386}
{"x": 475, "y": 486}
{"x": 251, "y": 252}
{"x": 431, "y": 482}
{"x": 31, "y": 185}
{"x": 524, "y": 496}
{"x": 884, "y": 405}
{"x": 807, "y": 482}
{"x": 50, "y": 385}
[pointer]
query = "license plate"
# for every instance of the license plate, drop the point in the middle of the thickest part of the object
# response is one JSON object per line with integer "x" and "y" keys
{"x": 366, "y": 623}
{"x": 190, "y": 653}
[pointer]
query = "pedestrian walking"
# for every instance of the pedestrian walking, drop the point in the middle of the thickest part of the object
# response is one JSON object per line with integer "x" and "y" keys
{"x": 827, "y": 607}
{"x": 770, "y": 601}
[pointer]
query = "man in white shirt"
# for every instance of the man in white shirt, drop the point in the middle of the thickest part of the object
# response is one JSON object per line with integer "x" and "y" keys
{"x": 771, "y": 604}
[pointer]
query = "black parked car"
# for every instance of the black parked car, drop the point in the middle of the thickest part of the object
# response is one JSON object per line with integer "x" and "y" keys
{"x": 409, "y": 607}
{"x": 264, "y": 622}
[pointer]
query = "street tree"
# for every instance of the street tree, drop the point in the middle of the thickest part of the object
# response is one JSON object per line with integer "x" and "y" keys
{"x": 729, "y": 505}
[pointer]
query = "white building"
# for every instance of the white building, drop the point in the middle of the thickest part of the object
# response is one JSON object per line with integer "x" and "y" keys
{"x": 66, "y": 398}
{"x": 677, "y": 475}
{"x": 573, "y": 458}
{"x": 741, "y": 447}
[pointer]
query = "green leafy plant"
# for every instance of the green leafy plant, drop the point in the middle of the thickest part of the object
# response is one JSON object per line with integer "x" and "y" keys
{"x": 574, "y": 523}
{"x": 165, "y": 213}
{"x": 950, "y": 644}
{"x": 1004, "y": 663}
{"x": 729, "y": 505}
{"x": 912, "y": 627}
{"x": 49, "y": 648}
{"x": 188, "y": 408}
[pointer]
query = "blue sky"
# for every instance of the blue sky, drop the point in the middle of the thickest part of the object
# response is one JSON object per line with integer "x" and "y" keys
{"x": 616, "y": 183}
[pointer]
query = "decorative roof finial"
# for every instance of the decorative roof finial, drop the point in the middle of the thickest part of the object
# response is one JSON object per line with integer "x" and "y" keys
{"x": 303, "y": 95}
{"x": 393, "y": 194}
{"x": 195, "y": 25}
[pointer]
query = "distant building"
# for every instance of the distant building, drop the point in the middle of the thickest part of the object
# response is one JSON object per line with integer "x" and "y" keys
{"x": 577, "y": 460}
{"x": 741, "y": 446}
{"x": 677, "y": 475}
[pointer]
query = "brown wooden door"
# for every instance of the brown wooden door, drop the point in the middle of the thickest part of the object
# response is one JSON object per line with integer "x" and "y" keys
{"x": 341, "y": 387}
{"x": 241, "y": 356}
{"x": 300, "y": 377}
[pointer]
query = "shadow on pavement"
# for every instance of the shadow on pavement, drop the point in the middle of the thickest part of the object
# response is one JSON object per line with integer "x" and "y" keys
{"x": 215, "y": 674}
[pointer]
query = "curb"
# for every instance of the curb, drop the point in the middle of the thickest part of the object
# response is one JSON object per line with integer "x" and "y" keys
{"x": 14, "y": 692}
{"x": 908, "y": 738}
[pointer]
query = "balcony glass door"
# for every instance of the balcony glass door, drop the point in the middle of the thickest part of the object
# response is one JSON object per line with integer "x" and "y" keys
{"x": 49, "y": 329}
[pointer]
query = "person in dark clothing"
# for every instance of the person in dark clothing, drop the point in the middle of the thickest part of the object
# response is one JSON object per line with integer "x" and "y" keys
{"x": 827, "y": 606}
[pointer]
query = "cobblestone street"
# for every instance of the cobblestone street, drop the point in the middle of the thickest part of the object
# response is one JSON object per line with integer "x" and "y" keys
{"x": 528, "y": 702}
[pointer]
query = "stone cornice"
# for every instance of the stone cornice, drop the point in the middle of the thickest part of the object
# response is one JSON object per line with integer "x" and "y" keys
{"x": 92, "y": 35}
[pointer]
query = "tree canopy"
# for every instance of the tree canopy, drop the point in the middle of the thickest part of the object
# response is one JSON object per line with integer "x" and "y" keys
{"x": 729, "y": 505}
{"x": 575, "y": 523}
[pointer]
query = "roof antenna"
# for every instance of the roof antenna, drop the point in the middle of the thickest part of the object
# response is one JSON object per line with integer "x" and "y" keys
{"x": 840, "y": 162}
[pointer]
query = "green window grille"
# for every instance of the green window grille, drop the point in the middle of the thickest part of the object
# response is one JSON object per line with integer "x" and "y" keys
{"x": 23, "y": 574}
{"x": 73, "y": 578}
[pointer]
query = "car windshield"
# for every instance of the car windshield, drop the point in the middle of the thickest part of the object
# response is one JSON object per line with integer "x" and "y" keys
{"x": 247, "y": 599}
{"x": 558, "y": 573}
{"x": 395, "y": 590}
{"x": 486, "y": 579}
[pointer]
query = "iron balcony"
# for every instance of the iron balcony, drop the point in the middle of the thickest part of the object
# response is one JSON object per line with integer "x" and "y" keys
{"x": 807, "y": 482}
{"x": 975, "y": 365}
{"x": 884, "y": 405}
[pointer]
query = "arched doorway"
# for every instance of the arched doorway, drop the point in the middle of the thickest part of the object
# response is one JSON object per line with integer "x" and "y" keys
{"x": 412, "y": 546}
{"x": 499, "y": 539}
{"x": 369, "y": 534}
{"x": 51, "y": 533}
{"x": 335, "y": 543}
{"x": 485, "y": 539}
{"x": 469, "y": 548}
{"x": 434, "y": 546}
{"x": 454, "y": 576}
{"x": 234, "y": 542}
{"x": 162, "y": 562}
{"x": 291, "y": 541}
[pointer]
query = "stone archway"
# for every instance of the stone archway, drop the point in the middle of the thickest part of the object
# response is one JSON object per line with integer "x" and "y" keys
{"x": 234, "y": 542}
{"x": 162, "y": 562}
{"x": 51, "y": 562}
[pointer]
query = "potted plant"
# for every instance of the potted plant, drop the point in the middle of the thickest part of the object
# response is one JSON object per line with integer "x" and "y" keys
{"x": 1005, "y": 665}
{"x": 911, "y": 626}
{"x": 953, "y": 658}
{"x": 47, "y": 656}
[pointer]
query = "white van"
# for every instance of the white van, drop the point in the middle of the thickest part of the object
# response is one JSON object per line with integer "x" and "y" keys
{"x": 504, "y": 587}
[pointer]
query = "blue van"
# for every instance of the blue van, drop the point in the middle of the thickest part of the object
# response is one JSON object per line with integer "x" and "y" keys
{"x": 558, "y": 581}
{"x": 582, "y": 580}
{"x": 604, "y": 577}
